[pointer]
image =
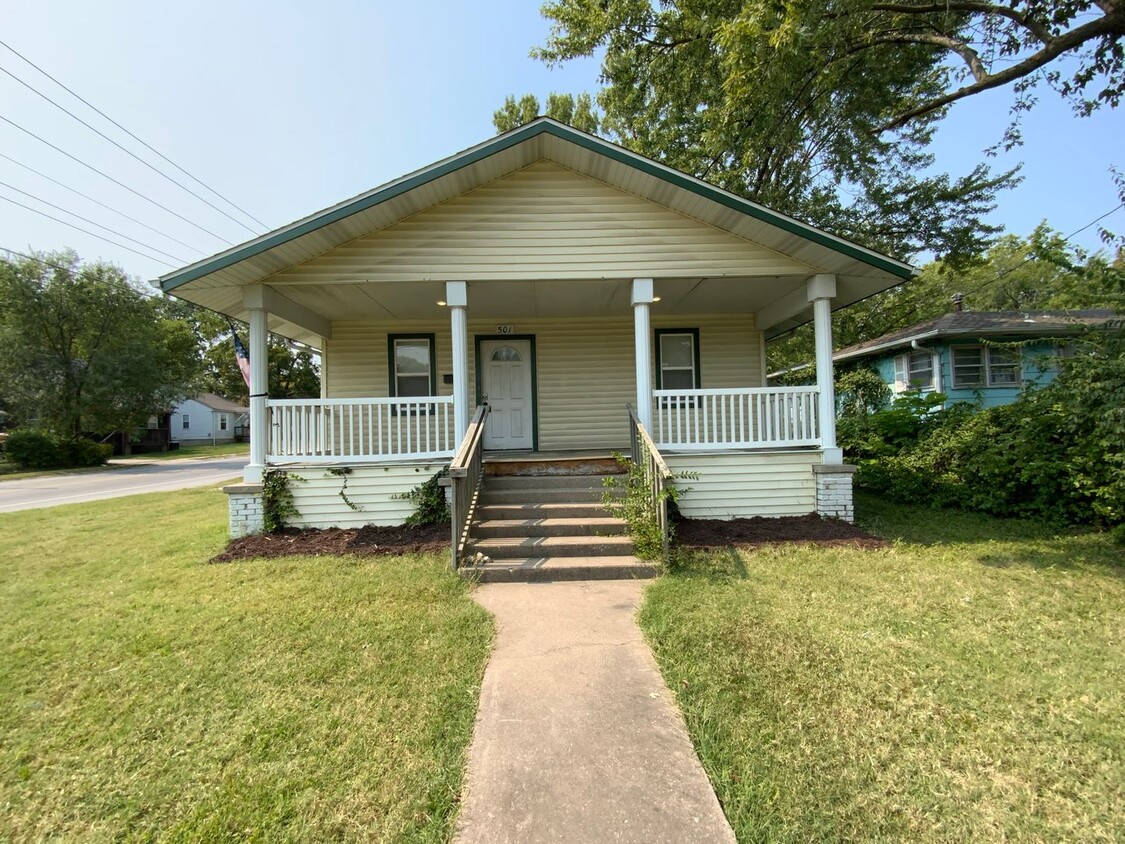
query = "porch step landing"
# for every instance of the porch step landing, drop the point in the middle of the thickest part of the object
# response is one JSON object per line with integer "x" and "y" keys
{"x": 549, "y": 524}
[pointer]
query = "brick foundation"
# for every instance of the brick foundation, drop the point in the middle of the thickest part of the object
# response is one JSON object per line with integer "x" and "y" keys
{"x": 834, "y": 491}
{"x": 244, "y": 504}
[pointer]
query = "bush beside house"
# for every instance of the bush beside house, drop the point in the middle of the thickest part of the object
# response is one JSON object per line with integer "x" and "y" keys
{"x": 28, "y": 448}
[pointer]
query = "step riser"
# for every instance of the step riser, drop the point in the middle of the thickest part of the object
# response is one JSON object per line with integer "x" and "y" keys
{"x": 532, "y": 548}
{"x": 536, "y": 528}
{"x": 585, "y": 482}
{"x": 545, "y": 574}
{"x": 500, "y": 512}
{"x": 489, "y": 496}
{"x": 552, "y": 468}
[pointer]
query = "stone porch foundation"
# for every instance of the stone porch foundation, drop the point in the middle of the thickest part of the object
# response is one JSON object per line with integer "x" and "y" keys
{"x": 834, "y": 491}
{"x": 244, "y": 503}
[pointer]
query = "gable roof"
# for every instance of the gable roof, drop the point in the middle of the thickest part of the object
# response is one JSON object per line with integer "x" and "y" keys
{"x": 216, "y": 402}
{"x": 982, "y": 324}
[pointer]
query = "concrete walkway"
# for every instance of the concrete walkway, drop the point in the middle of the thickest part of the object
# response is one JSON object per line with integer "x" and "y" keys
{"x": 577, "y": 738}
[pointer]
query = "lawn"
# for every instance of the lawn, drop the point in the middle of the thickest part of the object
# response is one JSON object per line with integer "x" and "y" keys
{"x": 146, "y": 694}
{"x": 223, "y": 450}
{"x": 965, "y": 684}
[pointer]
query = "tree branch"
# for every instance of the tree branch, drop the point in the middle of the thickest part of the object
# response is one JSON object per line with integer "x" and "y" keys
{"x": 1026, "y": 21}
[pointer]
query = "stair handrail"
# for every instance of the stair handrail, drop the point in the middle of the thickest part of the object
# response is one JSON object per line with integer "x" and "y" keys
{"x": 465, "y": 473}
{"x": 658, "y": 476}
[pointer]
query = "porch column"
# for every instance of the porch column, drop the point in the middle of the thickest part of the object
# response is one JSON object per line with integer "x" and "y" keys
{"x": 457, "y": 298}
{"x": 821, "y": 291}
{"x": 259, "y": 389}
{"x": 642, "y": 331}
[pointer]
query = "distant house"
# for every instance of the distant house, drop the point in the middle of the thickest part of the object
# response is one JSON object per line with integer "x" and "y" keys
{"x": 208, "y": 418}
{"x": 985, "y": 357}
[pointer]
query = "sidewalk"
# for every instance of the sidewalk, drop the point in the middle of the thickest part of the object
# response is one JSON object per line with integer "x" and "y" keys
{"x": 577, "y": 738}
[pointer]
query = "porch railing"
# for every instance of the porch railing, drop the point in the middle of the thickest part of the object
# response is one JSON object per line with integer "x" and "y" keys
{"x": 657, "y": 475}
{"x": 749, "y": 417}
{"x": 360, "y": 430}
{"x": 465, "y": 472}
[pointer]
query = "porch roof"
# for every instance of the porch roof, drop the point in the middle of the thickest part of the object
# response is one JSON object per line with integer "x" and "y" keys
{"x": 217, "y": 282}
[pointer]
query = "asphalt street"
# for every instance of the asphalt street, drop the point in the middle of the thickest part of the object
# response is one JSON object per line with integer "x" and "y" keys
{"x": 117, "y": 481}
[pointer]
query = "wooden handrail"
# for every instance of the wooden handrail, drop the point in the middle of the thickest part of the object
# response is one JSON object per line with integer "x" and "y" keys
{"x": 656, "y": 472}
{"x": 469, "y": 443}
{"x": 465, "y": 474}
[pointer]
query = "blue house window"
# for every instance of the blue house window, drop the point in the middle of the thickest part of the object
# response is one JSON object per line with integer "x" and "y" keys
{"x": 985, "y": 366}
{"x": 914, "y": 371}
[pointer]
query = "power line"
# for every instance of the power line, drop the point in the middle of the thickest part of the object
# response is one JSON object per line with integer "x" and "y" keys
{"x": 115, "y": 181}
{"x": 125, "y": 150}
{"x": 84, "y": 231}
{"x": 91, "y": 222}
{"x": 98, "y": 202}
{"x": 35, "y": 259}
{"x": 143, "y": 143}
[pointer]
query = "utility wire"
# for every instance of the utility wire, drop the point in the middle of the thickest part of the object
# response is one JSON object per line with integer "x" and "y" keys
{"x": 33, "y": 258}
{"x": 98, "y": 202}
{"x": 126, "y": 150}
{"x": 85, "y": 231}
{"x": 143, "y": 143}
{"x": 91, "y": 222}
{"x": 115, "y": 181}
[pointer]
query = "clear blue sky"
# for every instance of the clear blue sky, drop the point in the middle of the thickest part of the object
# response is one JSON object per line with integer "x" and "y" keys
{"x": 288, "y": 107}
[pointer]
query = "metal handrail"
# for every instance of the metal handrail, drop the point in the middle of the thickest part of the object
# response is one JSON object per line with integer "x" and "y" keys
{"x": 657, "y": 475}
{"x": 465, "y": 473}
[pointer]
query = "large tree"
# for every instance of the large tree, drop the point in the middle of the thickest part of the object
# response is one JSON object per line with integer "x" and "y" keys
{"x": 84, "y": 350}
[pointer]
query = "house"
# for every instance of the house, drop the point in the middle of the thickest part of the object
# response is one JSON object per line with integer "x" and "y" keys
{"x": 543, "y": 293}
{"x": 209, "y": 419}
{"x": 983, "y": 357}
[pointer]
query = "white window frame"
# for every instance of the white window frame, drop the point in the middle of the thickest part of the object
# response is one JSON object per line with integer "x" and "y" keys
{"x": 222, "y": 421}
{"x": 987, "y": 366}
{"x": 185, "y": 421}
{"x": 904, "y": 371}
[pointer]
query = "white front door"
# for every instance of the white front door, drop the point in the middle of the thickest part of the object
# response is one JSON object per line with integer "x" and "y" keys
{"x": 506, "y": 387}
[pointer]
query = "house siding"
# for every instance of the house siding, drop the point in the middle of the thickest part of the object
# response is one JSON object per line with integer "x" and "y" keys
{"x": 371, "y": 489}
{"x": 742, "y": 484}
{"x": 201, "y": 423}
{"x": 543, "y": 221}
{"x": 584, "y": 367}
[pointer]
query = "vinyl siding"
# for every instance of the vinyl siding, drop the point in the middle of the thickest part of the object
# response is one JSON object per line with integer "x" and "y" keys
{"x": 316, "y": 495}
{"x": 746, "y": 484}
{"x": 584, "y": 367}
{"x": 543, "y": 221}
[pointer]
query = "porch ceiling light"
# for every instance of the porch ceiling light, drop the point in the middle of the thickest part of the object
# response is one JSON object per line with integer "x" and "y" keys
{"x": 656, "y": 298}
{"x": 441, "y": 303}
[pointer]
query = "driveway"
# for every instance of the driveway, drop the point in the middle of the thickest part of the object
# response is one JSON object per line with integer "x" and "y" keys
{"x": 126, "y": 478}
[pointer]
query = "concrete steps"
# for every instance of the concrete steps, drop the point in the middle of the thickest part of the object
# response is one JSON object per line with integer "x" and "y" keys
{"x": 547, "y": 525}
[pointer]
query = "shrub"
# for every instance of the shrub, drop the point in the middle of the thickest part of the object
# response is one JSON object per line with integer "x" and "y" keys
{"x": 32, "y": 449}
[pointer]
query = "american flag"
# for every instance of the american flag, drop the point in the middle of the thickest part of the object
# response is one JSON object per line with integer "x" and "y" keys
{"x": 241, "y": 355}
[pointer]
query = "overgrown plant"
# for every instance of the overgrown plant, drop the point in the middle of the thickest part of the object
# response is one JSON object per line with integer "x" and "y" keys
{"x": 430, "y": 505}
{"x": 628, "y": 496}
{"x": 343, "y": 472}
{"x": 277, "y": 500}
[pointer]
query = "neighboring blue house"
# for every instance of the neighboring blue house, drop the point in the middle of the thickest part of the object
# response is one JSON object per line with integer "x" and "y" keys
{"x": 972, "y": 356}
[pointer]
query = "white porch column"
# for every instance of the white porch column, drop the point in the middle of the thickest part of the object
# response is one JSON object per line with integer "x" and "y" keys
{"x": 259, "y": 389}
{"x": 642, "y": 331}
{"x": 821, "y": 291}
{"x": 457, "y": 298}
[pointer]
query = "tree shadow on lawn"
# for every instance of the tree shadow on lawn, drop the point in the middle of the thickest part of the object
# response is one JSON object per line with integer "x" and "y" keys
{"x": 991, "y": 541}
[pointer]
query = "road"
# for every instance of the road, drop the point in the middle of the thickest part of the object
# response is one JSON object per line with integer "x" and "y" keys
{"x": 158, "y": 476}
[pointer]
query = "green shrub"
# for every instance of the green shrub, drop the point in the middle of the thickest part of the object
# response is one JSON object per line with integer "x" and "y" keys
{"x": 32, "y": 449}
{"x": 430, "y": 504}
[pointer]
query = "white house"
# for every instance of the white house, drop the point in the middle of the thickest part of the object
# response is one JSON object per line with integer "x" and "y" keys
{"x": 535, "y": 285}
{"x": 209, "y": 419}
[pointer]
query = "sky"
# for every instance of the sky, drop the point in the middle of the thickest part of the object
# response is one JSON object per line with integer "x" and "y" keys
{"x": 289, "y": 107}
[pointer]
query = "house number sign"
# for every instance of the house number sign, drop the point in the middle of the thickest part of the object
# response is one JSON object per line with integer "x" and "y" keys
{"x": 505, "y": 329}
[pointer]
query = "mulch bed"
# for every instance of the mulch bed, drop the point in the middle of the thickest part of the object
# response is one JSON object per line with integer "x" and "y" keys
{"x": 760, "y": 530}
{"x": 369, "y": 541}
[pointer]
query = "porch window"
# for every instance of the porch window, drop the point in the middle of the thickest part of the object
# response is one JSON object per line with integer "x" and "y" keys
{"x": 985, "y": 366}
{"x": 677, "y": 359}
{"x": 413, "y": 370}
{"x": 914, "y": 371}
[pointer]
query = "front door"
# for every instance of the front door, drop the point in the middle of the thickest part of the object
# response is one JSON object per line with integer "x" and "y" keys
{"x": 506, "y": 387}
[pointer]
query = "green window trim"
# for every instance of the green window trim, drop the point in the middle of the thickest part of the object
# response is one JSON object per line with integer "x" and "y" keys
{"x": 697, "y": 369}
{"x": 392, "y": 363}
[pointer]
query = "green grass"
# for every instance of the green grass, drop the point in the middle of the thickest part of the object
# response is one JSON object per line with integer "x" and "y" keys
{"x": 146, "y": 694}
{"x": 224, "y": 450}
{"x": 965, "y": 684}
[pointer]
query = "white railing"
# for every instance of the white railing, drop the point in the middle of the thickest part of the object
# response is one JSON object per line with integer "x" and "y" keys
{"x": 359, "y": 430}
{"x": 747, "y": 417}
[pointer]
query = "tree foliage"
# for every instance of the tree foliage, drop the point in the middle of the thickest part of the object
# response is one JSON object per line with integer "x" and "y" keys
{"x": 85, "y": 350}
{"x": 578, "y": 112}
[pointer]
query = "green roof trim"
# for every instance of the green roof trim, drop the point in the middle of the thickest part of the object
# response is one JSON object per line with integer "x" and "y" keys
{"x": 500, "y": 143}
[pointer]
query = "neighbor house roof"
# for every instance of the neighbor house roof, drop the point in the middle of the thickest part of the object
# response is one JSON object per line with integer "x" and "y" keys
{"x": 216, "y": 282}
{"x": 219, "y": 403}
{"x": 982, "y": 324}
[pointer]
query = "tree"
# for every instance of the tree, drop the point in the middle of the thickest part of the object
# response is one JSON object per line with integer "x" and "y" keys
{"x": 577, "y": 111}
{"x": 753, "y": 96}
{"x": 85, "y": 350}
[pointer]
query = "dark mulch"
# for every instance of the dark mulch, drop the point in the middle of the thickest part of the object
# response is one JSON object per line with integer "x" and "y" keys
{"x": 810, "y": 529}
{"x": 370, "y": 541}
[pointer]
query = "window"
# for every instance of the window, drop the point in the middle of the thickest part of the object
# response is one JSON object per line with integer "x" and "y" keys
{"x": 186, "y": 421}
{"x": 914, "y": 371}
{"x": 412, "y": 367}
{"x": 677, "y": 359}
{"x": 984, "y": 366}
{"x": 222, "y": 421}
